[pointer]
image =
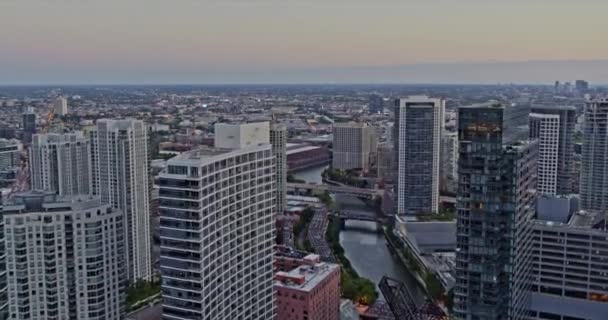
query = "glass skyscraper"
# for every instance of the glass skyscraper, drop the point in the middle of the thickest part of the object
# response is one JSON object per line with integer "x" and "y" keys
{"x": 495, "y": 203}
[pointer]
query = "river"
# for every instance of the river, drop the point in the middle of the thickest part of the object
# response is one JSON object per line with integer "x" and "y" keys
{"x": 363, "y": 245}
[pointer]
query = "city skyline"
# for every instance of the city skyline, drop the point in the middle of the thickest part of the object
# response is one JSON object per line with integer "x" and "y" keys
{"x": 269, "y": 41}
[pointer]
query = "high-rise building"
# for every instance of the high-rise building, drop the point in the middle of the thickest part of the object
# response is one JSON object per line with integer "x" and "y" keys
{"x": 60, "y": 106}
{"x": 569, "y": 270}
{"x": 449, "y": 162}
{"x": 385, "y": 161}
{"x": 418, "y": 130}
{"x": 581, "y": 86}
{"x": 3, "y": 272}
{"x": 594, "y": 165}
{"x": 65, "y": 258}
{"x": 216, "y": 231}
{"x": 309, "y": 291}
{"x": 495, "y": 202}
{"x": 28, "y": 125}
{"x": 10, "y": 154}
{"x": 375, "y": 104}
{"x": 59, "y": 163}
{"x": 278, "y": 140}
{"x": 553, "y": 126}
{"x": 119, "y": 166}
{"x": 241, "y": 135}
{"x": 352, "y": 143}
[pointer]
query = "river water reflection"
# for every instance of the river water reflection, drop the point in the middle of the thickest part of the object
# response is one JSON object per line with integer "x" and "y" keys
{"x": 364, "y": 246}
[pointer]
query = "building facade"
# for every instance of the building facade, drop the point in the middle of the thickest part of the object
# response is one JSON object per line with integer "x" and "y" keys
{"x": 495, "y": 203}
{"x": 449, "y": 162}
{"x": 217, "y": 233}
{"x": 28, "y": 125}
{"x": 10, "y": 154}
{"x": 594, "y": 165}
{"x": 309, "y": 291}
{"x": 352, "y": 144}
{"x": 241, "y": 135}
{"x": 376, "y": 104}
{"x": 569, "y": 270}
{"x": 542, "y": 127}
{"x": 417, "y": 137}
{"x": 59, "y": 163}
{"x": 278, "y": 140}
{"x": 119, "y": 166}
{"x": 65, "y": 258}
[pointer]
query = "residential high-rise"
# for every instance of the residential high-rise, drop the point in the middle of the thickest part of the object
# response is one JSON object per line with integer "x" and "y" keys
{"x": 60, "y": 106}
{"x": 309, "y": 291}
{"x": 352, "y": 144}
{"x": 495, "y": 202}
{"x": 216, "y": 231}
{"x": 3, "y": 272}
{"x": 569, "y": 270}
{"x": 375, "y": 104}
{"x": 119, "y": 166}
{"x": 278, "y": 140}
{"x": 418, "y": 130}
{"x": 59, "y": 163}
{"x": 385, "y": 161}
{"x": 28, "y": 125}
{"x": 553, "y": 126}
{"x": 594, "y": 165}
{"x": 65, "y": 258}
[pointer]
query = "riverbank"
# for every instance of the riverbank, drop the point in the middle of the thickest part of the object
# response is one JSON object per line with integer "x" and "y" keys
{"x": 358, "y": 289}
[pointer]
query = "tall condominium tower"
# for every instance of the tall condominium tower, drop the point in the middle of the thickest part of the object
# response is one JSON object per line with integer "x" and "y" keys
{"x": 495, "y": 203}
{"x": 352, "y": 145}
{"x": 278, "y": 140}
{"x": 216, "y": 231}
{"x": 376, "y": 104}
{"x": 417, "y": 137}
{"x": 594, "y": 166}
{"x": 59, "y": 163}
{"x": 28, "y": 125}
{"x": 119, "y": 163}
{"x": 65, "y": 258}
{"x": 553, "y": 126}
{"x": 60, "y": 106}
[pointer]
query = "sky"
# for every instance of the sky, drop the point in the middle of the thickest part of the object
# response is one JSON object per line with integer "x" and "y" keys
{"x": 303, "y": 41}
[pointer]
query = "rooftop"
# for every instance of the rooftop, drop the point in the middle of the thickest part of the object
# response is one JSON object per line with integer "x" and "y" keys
{"x": 306, "y": 277}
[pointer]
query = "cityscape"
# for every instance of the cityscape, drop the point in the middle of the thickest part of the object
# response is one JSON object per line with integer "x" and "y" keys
{"x": 290, "y": 193}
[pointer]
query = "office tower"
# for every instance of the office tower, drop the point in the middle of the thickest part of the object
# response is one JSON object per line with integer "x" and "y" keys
{"x": 59, "y": 163}
{"x": 64, "y": 256}
{"x": 553, "y": 126}
{"x": 375, "y": 104}
{"x": 309, "y": 291}
{"x": 449, "y": 162}
{"x": 570, "y": 261}
{"x": 242, "y": 135}
{"x": 594, "y": 166}
{"x": 418, "y": 129}
{"x": 28, "y": 125}
{"x": 10, "y": 154}
{"x": 352, "y": 143}
{"x": 581, "y": 86}
{"x": 119, "y": 167}
{"x": 60, "y": 106}
{"x": 216, "y": 231}
{"x": 278, "y": 140}
{"x": 495, "y": 203}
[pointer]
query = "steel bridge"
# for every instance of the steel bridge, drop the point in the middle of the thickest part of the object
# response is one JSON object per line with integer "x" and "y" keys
{"x": 403, "y": 305}
{"x": 352, "y": 191}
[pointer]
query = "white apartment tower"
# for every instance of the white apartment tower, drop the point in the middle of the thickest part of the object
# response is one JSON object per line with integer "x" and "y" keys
{"x": 352, "y": 144}
{"x": 60, "y": 106}
{"x": 216, "y": 229}
{"x": 418, "y": 132}
{"x": 65, "y": 258}
{"x": 546, "y": 128}
{"x": 119, "y": 162}
{"x": 278, "y": 140}
{"x": 59, "y": 163}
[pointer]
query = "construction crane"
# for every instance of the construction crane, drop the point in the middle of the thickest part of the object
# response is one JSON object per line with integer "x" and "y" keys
{"x": 22, "y": 180}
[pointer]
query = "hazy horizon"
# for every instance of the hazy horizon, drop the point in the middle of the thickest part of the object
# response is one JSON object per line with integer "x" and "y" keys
{"x": 314, "y": 41}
